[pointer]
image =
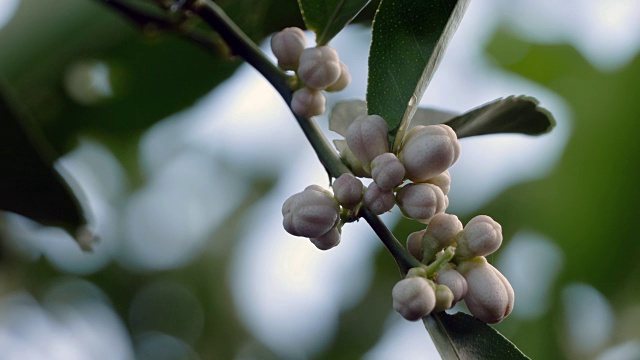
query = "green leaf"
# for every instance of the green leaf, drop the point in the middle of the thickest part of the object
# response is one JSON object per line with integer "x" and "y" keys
{"x": 29, "y": 184}
{"x": 408, "y": 41}
{"x": 514, "y": 114}
{"x": 327, "y": 17}
{"x": 461, "y": 336}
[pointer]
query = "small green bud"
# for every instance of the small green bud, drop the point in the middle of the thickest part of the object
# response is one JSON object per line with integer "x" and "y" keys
{"x": 444, "y": 299}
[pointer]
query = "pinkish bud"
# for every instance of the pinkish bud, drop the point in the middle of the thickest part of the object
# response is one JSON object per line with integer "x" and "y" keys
{"x": 481, "y": 236}
{"x": 287, "y": 45}
{"x": 420, "y": 201}
{"x": 454, "y": 281}
{"x": 308, "y": 102}
{"x": 387, "y": 171}
{"x": 413, "y": 298}
{"x": 414, "y": 244}
{"x": 348, "y": 189}
{"x": 367, "y": 138}
{"x": 439, "y": 234}
{"x": 319, "y": 67}
{"x": 311, "y": 213}
{"x": 328, "y": 240}
{"x": 377, "y": 200}
{"x": 428, "y": 151}
{"x": 343, "y": 81}
{"x": 443, "y": 181}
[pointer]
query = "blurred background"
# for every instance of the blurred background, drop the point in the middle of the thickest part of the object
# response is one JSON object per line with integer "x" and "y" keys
{"x": 184, "y": 158}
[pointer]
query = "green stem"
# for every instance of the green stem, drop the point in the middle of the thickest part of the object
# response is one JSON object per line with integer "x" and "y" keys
{"x": 241, "y": 45}
{"x": 445, "y": 258}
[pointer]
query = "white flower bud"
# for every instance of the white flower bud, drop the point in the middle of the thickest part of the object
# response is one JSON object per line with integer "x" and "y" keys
{"x": 287, "y": 45}
{"x": 481, "y": 236}
{"x": 319, "y": 67}
{"x": 311, "y": 213}
{"x": 348, "y": 189}
{"x": 439, "y": 234}
{"x": 443, "y": 181}
{"x": 367, "y": 138}
{"x": 343, "y": 81}
{"x": 377, "y": 200}
{"x": 308, "y": 102}
{"x": 387, "y": 171}
{"x": 414, "y": 244}
{"x": 454, "y": 281}
{"x": 347, "y": 157}
{"x": 328, "y": 240}
{"x": 413, "y": 298}
{"x": 428, "y": 151}
{"x": 420, "y": 201}
{"x": 490, "y": 297}
{"x": 444, "y": 298}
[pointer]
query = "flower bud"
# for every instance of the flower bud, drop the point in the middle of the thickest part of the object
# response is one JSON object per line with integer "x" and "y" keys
{"x": 413, "y": 298}
{"x": 377, "y": 200}
{"x": 349, "y": 159}
{"x": 311, "y": 213}
{"x": 440, "y": 233}
{"x": 287, "y": 45}
{"x": 444, "y": 298}
{"x": 443, "y": 181}
{"x": 454, "y": 281}
{"x": 481, "y": 236}
{"x": 328, "y": 240}
{"x": 414, "y": 244}
{"x": 367, "y": 138}
{"x": 347, "y": 189}
{"x": 319, "y": 67}
{"x": 490, "y": 297}
{"x": 428, "y": 151}
{"x": 308, "y": 102}
{"x": 343, "y": 81}
{"x": 387, "y": 171}
{"x": 420, "y": 201}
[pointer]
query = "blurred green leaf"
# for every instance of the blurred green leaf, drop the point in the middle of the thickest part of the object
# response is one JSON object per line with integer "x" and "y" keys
{"x": 327, "y": 17}
{"x": 461, "y": 336}
{"x": 29, "y": 184}
{"x": 408, "y": 41}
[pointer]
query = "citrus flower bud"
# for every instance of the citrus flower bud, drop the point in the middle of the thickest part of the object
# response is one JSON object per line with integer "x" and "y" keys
{"x": 367, "y": 138}
{"x": 454, "y": 281}
{"x": 349, "y": 159}
{"x": 319, "y": 67}
{"x": 443, "y": 181}
{"x": 311, "y": 213}
{"x": 287, "y": 45}
{"x": 490, "y": 297}
{"x": 328, "y": 240}
{"x": 308, "y": 102}
{"x": 444, "y": 299}
{"x": 387, "y": 171}
{"x": 420, "y": 201}
{"x": 413, "y": 298}
{"x": 481, "y": 236}
{"x": 347, "y": 189}
{"x": 343, "y": 81}
{"x": 377, "y": 200}
{"x": 440, "y": 233}
{"x": 414, "y": 244}
{"x": 428, "y": 151}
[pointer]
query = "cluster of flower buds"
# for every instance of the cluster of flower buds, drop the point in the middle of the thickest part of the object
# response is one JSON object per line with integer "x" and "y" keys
{"x": 319, "y": 68}
{"x": 456, "y": 269}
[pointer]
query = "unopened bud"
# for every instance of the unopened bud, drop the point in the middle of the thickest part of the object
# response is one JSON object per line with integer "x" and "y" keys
{"x": 377, "y": 200}
{"x": 490, "y": 297}
{"x": 349, "y": 159}
{"x": 319, "y": 67}
{"x": 481, "y": 236}
{"x": 308, "y": 102}
{"x": 311, "y": 213}
{"x": 444, "y": 298}
{"x": 439, "y": 234}
{"x": 428, "y": 151}
{"x": 443, "y": 181}
{"x": 367, "y": 138}
{"x": 454, "y": 281}
{"x": 347, "y": 189}
{"x": 420, "y": 201}
{"x": 287, "y": 45}
{"x": 343, "y": 81}
{"x": 387, "y": 171}
{"x": 414, "y": 244}
{"x": 413, "y": 298}
{"x": 328, "y": 240}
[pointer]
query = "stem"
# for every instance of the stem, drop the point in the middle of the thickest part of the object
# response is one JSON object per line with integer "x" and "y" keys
{"x": 441, "y": 260}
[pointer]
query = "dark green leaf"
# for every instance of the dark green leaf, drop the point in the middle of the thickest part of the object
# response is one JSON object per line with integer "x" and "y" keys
{"x": 409, "y": 39}
{"x": 514, "y": 114}
{"x": 29, "y": 184}
{"x": 464, "y": 337}
{"x": 327, "y": 17}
